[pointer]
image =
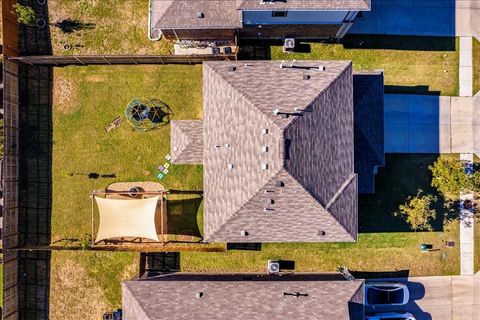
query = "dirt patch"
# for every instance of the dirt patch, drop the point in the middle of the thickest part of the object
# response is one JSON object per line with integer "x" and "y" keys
{"x": 97, "y": 78}
{"x": 74, "y": 292}
{"x": 64, "y": 95}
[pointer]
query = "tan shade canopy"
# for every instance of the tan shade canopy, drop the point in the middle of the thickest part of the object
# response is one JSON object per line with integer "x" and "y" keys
{"x": 127, "y": 218}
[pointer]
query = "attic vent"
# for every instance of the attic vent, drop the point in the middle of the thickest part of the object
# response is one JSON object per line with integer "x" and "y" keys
{"x": 270, "y": 201}
{"x": 265, "y": 131}
{"x": 232, "y": 68}
{"x": 216, "y": 146}
{"x": 231, "y": 166}
{"x": 321, "y": 233}
{"x": 200, "y": 15}
{"x": 265, "y": 149}
{"x": 227, "y": 145}
{"x": 198, "y": 294}
{"x": 306, "y": 77}
{"x": 244, "y": 233}
{"x": 264, "y": 166}
{"x": 279, "y": 184}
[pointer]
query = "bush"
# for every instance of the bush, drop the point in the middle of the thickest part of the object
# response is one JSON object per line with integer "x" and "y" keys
{"x": 25, "y": 14}
{"x": 418, "y": 211}
{"x": 449, "y": 178}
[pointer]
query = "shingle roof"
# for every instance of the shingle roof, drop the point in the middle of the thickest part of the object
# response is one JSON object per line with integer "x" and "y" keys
{"x": 368, "y": 92}
{"x": 310, "y": 153}
{"x": 183, "y": 14}
{"x": 187, "y": 141}
{"x": 242, "y": 296}
{"x": 360, "y": 5}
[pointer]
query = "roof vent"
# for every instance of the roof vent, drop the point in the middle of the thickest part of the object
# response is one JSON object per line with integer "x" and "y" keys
{"x": 227, "y": 145}
{"x": 216, "y": 146}
{"x": 264, "y": 166}
{"x": 270, "y": 201}
{"x": 267, "y": 209}
{"x": 231, "y": 166}
{"x": 200, "y": 15}
{"x": 273, "y": 267}
{"x": 269, "y": 191}
{"x": 276, "y": 111}
{"x": 232, "y": 68}
{"x": 321, "y": 233}
{"x": 198, "y": 294}
{"x": 265, "y": 131}
{"x": 279, "y": 184}
{"x": 306, "y": 77}
{"x": 265, "y": 149}
{"x": 244, "y": 233}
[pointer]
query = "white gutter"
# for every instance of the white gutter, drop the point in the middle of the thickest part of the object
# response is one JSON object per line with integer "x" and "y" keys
{"x": 150, "y": 24}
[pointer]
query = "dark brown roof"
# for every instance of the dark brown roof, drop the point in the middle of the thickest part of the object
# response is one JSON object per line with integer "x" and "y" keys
{"x": 368, "y": 95}
{"x": 360, "y": 5}
{"x": 181, "y": 14}
{"x": 310, "y": 153}
{"x": 187, "y": 141}
{"x": 242, "y": 296}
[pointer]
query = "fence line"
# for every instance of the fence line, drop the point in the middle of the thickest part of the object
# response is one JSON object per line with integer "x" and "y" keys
{"x": 53, "y": 60}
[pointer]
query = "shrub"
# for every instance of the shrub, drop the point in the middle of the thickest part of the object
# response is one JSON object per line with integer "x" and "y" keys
{"x": 418, "y": 211}
{"x": 25, "y": 14}
{"x": 449, "y": 178}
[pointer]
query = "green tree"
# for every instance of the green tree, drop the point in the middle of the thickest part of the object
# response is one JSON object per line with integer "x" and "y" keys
{"x": 418, "y": 211}
{"x": 450, "y": 178}
{"x": 25, "y": 14}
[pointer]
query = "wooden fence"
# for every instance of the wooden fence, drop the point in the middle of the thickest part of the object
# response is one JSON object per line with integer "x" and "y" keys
{"x": 81, "y": 60}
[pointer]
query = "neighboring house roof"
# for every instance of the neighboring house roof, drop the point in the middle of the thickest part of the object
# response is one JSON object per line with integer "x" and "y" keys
{"x": 242, "y": 296}
{"x": 303, "y": 186}
{"x": 353, "y": 5}
{"x": 187, "y": 141}
{"x": 180, "y": 14}
{"x": 368, "y": 92}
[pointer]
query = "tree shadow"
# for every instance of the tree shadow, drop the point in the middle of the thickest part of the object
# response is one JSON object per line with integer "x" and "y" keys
{"x": 401, "y": 178}
{"x": 70, "y": 26}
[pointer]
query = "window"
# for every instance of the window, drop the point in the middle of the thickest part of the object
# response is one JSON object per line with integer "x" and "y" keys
{"x": 278, "y": 14}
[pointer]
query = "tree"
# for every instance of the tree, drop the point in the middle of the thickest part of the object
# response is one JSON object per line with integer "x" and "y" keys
{"x": 449, "y": 178}
{"x": 25, "y": 14}
{"x": 418, "y": 211}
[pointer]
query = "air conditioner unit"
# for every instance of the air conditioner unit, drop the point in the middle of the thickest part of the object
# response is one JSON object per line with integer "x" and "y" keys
{"x": 288, "y": 44}
{"x": 273, "y": 267}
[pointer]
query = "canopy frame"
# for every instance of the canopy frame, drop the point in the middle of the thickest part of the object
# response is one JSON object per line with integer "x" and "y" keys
{"x": 162, "y": 197}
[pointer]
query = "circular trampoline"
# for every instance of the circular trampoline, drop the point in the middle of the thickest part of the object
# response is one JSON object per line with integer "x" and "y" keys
{"x": 145, "y": 114}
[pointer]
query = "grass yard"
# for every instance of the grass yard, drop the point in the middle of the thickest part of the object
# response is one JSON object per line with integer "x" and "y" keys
{"x": 476, "y": 65}
{"x": 102, "y": 27}
{"x": 412, "y": 64}
{"x": 86, "y": 99}
{"x": 385, "y": 242}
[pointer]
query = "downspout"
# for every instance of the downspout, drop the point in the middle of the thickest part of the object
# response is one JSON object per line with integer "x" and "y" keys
{"x": 150, "y": 28}
{"x": 347, "y": 24}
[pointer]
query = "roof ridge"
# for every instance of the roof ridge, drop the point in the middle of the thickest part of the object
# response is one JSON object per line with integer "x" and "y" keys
{"x": 340, "y": 190}
{"x": 164, "y": 13}
{"x": 244, "y": 96}
{"x": 322, "y": 92}
{"x": 243, "y": 205}
{"x": 135, "y": 297}
{"x": 186, "y": 136}
{"x": 338, "y": 197}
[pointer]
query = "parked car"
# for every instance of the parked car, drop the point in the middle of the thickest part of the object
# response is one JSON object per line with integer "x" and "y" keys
{"x": 386, "y": 293}
{"x": 390, "y": 316}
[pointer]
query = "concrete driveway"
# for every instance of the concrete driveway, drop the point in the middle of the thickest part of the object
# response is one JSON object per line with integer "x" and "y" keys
{"x": 421, "y": 18}
{"x": 441, "y": 298}
{"x": 431, "y": 124}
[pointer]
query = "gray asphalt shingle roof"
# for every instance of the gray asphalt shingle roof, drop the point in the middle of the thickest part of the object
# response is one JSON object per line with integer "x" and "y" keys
{"x": 242, "y": 296}
{"x": 187, "y": 141}
{"x": 279, "y": 179}
{"x": 352, "y": 5}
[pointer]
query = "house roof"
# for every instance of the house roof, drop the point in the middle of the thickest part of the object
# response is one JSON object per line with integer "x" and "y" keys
{"x": 187, "y": 141}
{"x": 360, "y": 5}
{"x": 242, "y": 296}
{"x": 179, "y": 14}
{"x": 368, "y": 92}
{"x": 279, "y": 179}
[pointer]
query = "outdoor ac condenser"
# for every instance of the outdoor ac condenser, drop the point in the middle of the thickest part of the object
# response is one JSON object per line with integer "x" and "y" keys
{"x": 288, "y": 44}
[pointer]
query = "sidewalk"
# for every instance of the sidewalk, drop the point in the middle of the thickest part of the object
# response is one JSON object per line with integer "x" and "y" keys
{"x": 466, "y": 67}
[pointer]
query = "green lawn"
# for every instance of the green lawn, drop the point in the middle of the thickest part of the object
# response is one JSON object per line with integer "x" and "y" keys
{"x": 476, "y": 65}
{"x": 385, "y": 242}
{"x": 102, "y": 27}
{"x": 86, "y": 99}
{"x": 411, "y": 64}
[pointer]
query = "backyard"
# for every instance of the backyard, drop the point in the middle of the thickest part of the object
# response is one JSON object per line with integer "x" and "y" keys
{"x": 86, "y": 99}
